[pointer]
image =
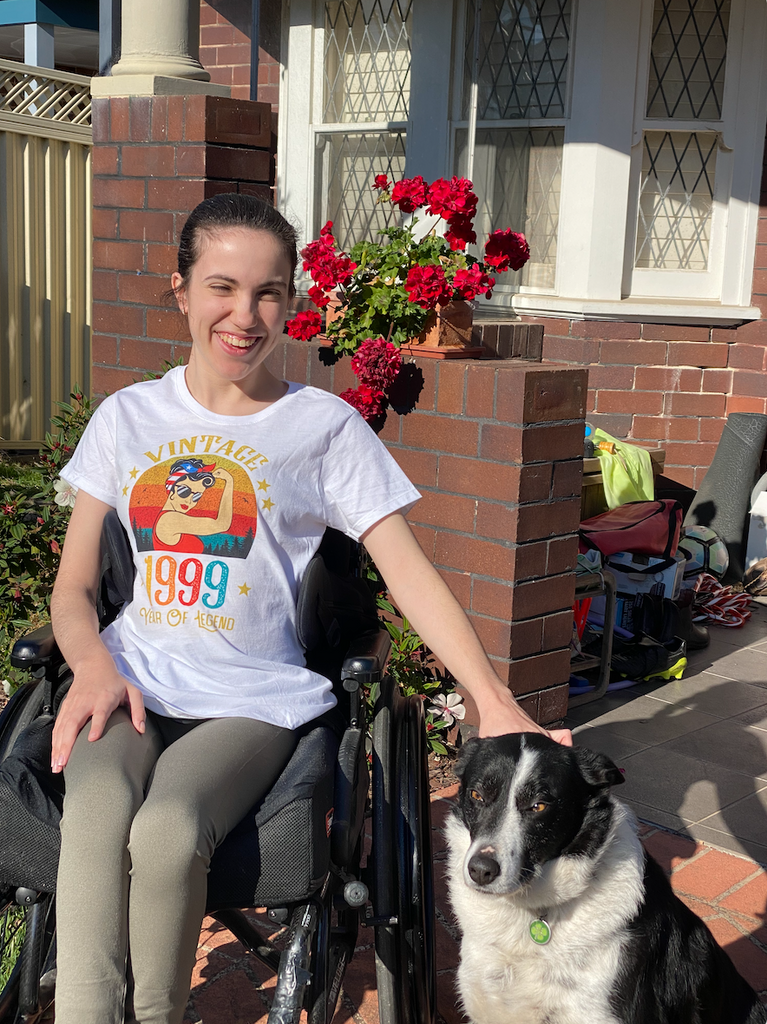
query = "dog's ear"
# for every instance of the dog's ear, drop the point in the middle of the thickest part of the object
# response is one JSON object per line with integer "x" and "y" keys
{"x": 465, "y": 755}
{"x": 597, "y": 769}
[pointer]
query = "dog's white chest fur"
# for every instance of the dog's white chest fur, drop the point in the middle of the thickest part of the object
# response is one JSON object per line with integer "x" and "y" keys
{"x": 505, "y": 977}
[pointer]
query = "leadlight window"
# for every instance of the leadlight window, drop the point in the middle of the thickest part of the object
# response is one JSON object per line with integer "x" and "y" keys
{"x": 516, "y": 61}
{"x": 687, "y": 58}
{"x": 366, "y": 76}
{"x": 688, "y": 55}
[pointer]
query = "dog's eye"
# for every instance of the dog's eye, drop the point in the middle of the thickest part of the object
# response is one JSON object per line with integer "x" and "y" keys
{"x": 538, "y": 807}
{"x": 476, "y": 795}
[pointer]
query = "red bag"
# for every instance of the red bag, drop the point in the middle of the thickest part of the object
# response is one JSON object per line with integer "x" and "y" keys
{"x": 644, "y": 527}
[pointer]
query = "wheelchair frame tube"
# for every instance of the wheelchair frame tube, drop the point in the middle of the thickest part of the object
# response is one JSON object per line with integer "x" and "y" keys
{"x": 294, "y": 974}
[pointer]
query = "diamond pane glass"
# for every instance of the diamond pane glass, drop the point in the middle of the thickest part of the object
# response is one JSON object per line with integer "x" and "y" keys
{"x": 367, "y": 60}
{"x": 687, "y": 58}
{"x": 523, "y": 58}
{"x": 346, "y": 166}
{"x": 676, "y": 200}
{"x": 517, "y": 177}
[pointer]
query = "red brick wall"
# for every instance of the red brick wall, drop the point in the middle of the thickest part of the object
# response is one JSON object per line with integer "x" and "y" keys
{"x": 495, "y": 447}
{"x": 154, "y": 159}
{"x": 225, "y": 50}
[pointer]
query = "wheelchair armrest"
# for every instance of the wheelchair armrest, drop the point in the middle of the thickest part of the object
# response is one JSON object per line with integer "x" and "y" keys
{"x": 366, "y": 657}
{"x": 37, "y": 649}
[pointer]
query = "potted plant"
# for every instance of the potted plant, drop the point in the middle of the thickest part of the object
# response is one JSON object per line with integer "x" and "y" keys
{"x": 411, "y": 289}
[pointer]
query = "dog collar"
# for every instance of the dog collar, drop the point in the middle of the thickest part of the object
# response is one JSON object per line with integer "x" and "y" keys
{"x": 540, "y": 932}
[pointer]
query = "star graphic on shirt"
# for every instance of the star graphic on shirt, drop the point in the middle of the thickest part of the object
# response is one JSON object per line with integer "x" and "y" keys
{"x": 263, "y": 485}
{"x": 125, "y": 490}
{"x": 133, "y": 473}
{"x": 245, "y": 589}
{"x": 268, "y": 504}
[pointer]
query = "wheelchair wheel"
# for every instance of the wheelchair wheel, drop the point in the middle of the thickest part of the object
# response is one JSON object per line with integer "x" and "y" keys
{"x": 404, "y": 893}
{"x": 22, "y": 709}
{"x": 27, "y": 959}
{"x": 27, "y": 942}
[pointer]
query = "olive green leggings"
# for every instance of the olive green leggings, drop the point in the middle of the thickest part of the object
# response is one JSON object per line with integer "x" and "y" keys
{"x": 142, "y": 817}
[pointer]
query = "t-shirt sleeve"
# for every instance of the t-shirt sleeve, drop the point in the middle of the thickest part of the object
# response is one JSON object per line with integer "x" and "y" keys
{"x": 92, "y": 467}
{"x": 361, "y": 481}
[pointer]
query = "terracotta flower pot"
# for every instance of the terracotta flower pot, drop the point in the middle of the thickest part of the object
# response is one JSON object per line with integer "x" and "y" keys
{"x": 447, "y": 334}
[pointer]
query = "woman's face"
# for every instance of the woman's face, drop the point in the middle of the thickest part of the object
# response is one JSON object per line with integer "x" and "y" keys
{"x": 184, "y": 494}
{"x": 236, "y": 301}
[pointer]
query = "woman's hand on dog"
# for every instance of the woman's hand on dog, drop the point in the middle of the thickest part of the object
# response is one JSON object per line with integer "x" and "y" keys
{"x": 500, "y": 714}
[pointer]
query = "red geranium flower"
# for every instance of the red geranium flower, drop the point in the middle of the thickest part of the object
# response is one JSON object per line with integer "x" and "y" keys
{"x": 369, "y": 402}
{"x": 318, "y": 296}
{"x": 471, "y": 282}
{"x": 427, "y": 286}
{"x": 376, "y": 363}
{"x": 453, "y": 198}
{"x": 381, "y": 182}
{"x": 507, "y": 249}
{"x": 459, "y": 232}
{"x": 409, "y": 194}
{"x": 305, "y": 325}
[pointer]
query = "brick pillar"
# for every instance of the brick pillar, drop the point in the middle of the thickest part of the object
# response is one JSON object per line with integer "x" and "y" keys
{"x": 495, "y": 447}
{"x": 154, "y": 159}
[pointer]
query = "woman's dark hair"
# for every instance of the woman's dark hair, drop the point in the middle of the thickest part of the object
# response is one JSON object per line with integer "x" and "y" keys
{"x": 232, "y": 210}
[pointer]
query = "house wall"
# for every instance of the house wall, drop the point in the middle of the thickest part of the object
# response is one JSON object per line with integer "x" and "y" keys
{"x": 225, "y": 30}
{"x": 671, "y": 386}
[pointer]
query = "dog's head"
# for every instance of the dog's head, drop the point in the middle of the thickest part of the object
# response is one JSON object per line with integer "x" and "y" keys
{"x": 526, "y": 802}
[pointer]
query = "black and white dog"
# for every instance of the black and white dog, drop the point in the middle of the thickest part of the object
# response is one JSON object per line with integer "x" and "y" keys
{"x": 565, "y": 920}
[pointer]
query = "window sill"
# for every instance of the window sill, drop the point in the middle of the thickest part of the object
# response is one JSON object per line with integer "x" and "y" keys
{"x": 651, "y": 311}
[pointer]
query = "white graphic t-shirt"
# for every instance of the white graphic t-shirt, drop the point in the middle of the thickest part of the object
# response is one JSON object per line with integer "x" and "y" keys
{"x": 224, "y": 514}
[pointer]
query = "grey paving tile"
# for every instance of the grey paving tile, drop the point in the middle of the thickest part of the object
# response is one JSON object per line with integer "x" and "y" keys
{"x": 725, "y": 841}
{"x": 600, "y": 738}
{"x": 756, "y": 718}
{"x": 748, "y": 665}
{"x": 640, "y": 717}
{"x": 656, "y": 816}
{"x": 745, "y": 819}
{"x": 707, "y": 692}
{"x": 664, "y": 779}
{"x": 728, "y": 744}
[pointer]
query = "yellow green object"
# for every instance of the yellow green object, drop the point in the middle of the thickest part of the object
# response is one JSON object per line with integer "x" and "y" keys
{"x": 626, "y": 475}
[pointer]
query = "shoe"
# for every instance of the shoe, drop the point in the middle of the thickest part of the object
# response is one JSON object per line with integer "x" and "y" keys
{"x": 693, "y": 633}
{"x": 646, "y": 659}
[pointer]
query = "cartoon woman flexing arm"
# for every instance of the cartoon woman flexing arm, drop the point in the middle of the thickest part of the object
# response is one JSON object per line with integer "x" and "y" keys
{"x": 174, "y": 528}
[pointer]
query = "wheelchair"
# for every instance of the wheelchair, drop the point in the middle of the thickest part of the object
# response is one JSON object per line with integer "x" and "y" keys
{"x": 299, "y": 853}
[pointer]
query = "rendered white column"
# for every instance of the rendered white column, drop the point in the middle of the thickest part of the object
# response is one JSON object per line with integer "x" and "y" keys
{"x": 161, "y": 38}
{"x": 160, "y": 53}
{"x": 38, "y": 45}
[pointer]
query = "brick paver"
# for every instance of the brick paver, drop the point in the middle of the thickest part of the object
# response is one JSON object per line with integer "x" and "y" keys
{"x": 728, "y": 891}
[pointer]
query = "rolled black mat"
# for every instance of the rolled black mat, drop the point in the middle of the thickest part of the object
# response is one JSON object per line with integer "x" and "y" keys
{"x": 722, "y": 501}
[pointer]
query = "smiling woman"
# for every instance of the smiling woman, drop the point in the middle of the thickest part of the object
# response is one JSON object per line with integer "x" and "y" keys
{"x": 183, "y": 712}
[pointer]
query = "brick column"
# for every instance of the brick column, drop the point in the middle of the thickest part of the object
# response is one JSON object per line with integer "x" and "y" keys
{"x": 154, "y": 159}
{"x": 495, "y": 447}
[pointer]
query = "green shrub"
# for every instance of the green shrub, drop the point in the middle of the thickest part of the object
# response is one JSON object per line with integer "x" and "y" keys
{"x": 34, "y": 513}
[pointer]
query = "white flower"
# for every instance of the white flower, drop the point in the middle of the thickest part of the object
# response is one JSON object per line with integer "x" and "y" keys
{"x": 65, "y": 493}
{"x": 6, "y": 685}
{"x": 449, "y": 708}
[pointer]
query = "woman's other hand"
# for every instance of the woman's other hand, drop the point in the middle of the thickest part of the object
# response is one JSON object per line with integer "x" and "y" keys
{"x": 96, "y": 691}
{"x": 97, "y": 688}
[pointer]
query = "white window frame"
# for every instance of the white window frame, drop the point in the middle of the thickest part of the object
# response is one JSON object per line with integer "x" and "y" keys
{"x": 601, "y": 167}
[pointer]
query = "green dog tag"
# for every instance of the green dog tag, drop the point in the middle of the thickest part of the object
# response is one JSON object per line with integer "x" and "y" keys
{"x": 540, "y": 932}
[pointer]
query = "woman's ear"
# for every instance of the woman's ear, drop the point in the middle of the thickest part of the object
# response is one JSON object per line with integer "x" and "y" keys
{"x": 177, "y": 284}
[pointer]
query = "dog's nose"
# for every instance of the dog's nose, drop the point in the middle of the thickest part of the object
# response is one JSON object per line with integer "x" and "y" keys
{"x": 483, "y": 869}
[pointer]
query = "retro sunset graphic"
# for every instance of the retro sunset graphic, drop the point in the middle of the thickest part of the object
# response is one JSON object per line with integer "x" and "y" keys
{"x": 203, "y": 505}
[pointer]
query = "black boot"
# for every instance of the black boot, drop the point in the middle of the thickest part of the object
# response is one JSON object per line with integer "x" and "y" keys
{"x": 693, "y": 633}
